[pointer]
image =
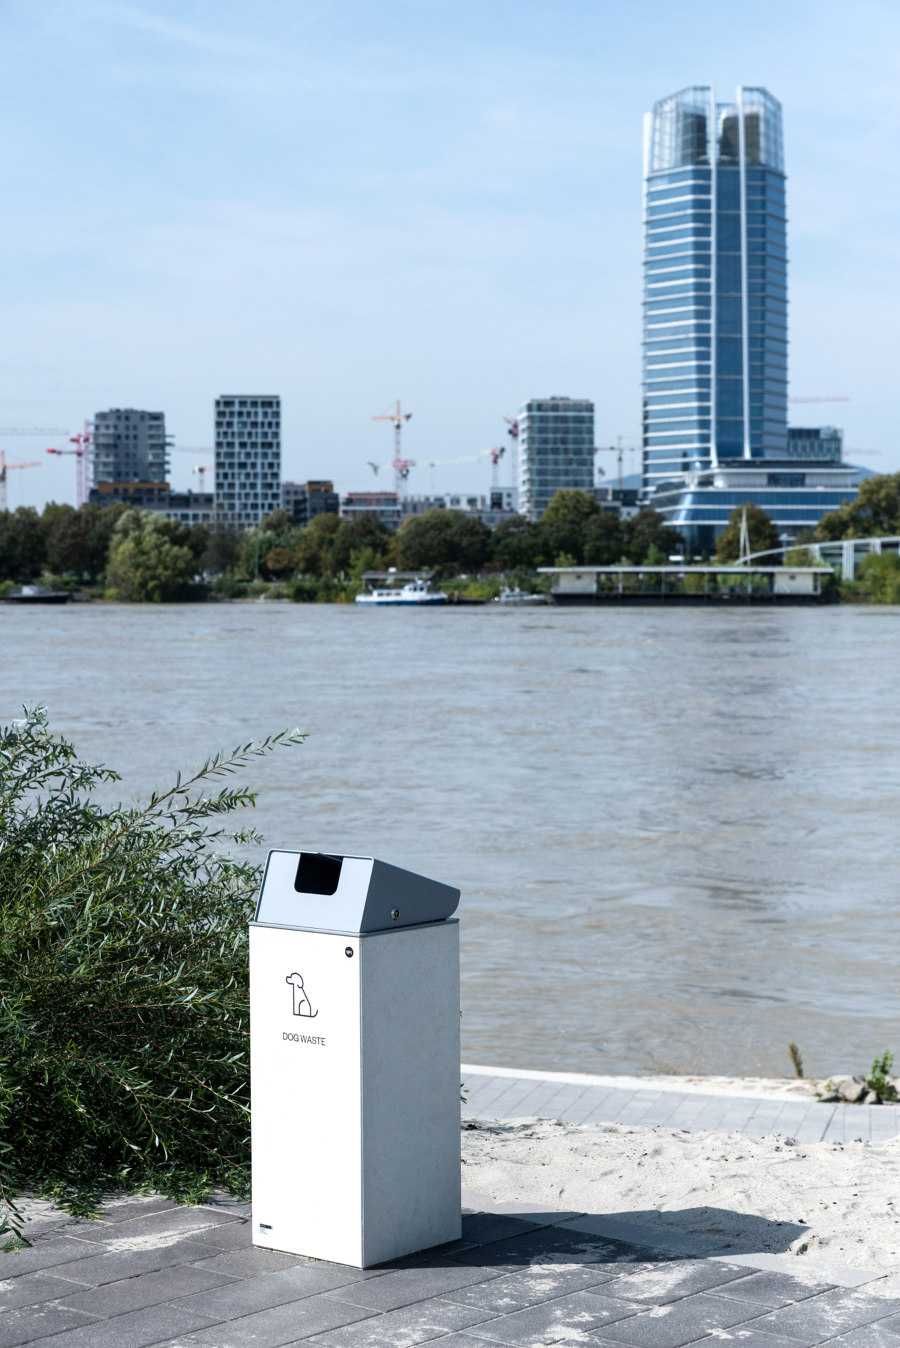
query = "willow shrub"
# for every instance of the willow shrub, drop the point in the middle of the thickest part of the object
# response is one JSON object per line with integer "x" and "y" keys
{"x": 123, "y": 980}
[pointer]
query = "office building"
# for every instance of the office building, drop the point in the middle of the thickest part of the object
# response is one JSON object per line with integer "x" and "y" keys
{"x": 248, "y": 458}
{"x": 383, "y": 505}
{"x": 824, "y": 444}
{"x": 715, "y": 431}
{"x": 556, "y": 451}
{"x": 303, "y": 501}
{"x": 129, "y": 445}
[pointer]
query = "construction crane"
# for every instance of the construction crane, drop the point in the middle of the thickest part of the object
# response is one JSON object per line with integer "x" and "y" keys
{"x": 82, "y": 442}
{"x": 7, "y": 467}
{"x": 33, "y": 430}
{"x": 620, "y": 458}
{"x": 839, "y": 398}
{"x": 203, "y": 469}
{"x": 400, "y": 465}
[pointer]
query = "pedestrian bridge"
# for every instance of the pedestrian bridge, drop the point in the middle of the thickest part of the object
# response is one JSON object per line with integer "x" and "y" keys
{"x": 847, "y": 553}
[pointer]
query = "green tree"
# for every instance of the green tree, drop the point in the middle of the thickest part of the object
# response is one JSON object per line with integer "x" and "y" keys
{"x": 123, "y": 979}
{"x": 223, "y": 548}
{"x": 23, "y": 544}
{"x": 78, "y": 540}
{"x": 564, "y": 523}
{"x": 314, "y": 546}
{"x": 879, "y": 577}
{"x": 647, "y": 532}
{"x": 366, "y": 531}
{"x": 874, "y": 513}
{"x": 762, "y": 532}
{"x": 604, "y": 539}
{"x": 516, "y": 543}
{"x": 281, "y": 562}
{"x": 446, "y": 539}
{"x": 145, "y": 566}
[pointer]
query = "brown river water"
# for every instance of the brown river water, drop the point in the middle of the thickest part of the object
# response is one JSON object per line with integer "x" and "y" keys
{"x": 675, "y": 832}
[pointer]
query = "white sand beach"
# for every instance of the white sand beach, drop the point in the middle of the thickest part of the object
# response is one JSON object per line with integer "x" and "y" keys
{"x": 823, "y": 1202}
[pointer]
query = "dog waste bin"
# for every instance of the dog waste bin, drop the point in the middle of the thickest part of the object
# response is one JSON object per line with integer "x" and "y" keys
{"x": 354, "y": 1053}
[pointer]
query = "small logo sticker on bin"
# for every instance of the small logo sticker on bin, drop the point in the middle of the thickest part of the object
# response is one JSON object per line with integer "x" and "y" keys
{"x": 302, "y": 1004}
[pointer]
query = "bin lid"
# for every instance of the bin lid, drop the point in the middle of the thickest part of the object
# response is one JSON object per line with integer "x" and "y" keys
{"x": 318, "y": 891}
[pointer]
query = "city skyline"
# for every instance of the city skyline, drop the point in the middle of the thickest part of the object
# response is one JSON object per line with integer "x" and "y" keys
{"x": 440, "y": 205}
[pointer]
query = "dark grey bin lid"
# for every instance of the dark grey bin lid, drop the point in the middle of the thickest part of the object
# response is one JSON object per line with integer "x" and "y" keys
{"x": 316, "y": 891}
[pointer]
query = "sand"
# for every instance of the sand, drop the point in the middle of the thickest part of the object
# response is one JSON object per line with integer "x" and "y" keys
{"x": 827, "y": 1203}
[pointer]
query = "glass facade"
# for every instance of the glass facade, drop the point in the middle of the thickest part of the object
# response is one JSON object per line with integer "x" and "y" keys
{"x": 715, "y": 284}
{"x": 556, "y": 450}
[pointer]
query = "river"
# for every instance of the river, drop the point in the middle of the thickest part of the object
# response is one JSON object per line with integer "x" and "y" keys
{"x": 675, "y": 831}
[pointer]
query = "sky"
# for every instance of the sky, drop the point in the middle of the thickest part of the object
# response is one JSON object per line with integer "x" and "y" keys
{"x": 348, "y": 203}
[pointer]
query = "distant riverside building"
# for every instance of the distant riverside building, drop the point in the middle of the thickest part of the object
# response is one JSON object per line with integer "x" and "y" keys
{"x": 556, "y": 450}
{"x": 825, "y": 443}
{"x": 248, "y": 458}
{"x": 492, "y": 509}
{"x": 715, "y": 431}
{"x": 189, "y": 507}
{"x": 129, "y": 445}
{"x": 384, "y": 505}
{"x": 303, "y": 501}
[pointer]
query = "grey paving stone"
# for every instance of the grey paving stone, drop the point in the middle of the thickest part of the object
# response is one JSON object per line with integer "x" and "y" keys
{"x": 149, "y": 1289}
{"x": 489, "y": 1226}
{"x": 870, "y": 1336}
{"x": 33, "y": 1323}
{"x": 43, "y": 1254}
{"x": 828, "y": 1315}
{"x": 134, "y": 1330}
{"x": 682, "y": 1322}
{"x": 271, "y": 1289}
{"x": 102, "y": 1266}
{"x": 747, "y": 1337}
{"x": 657, "y": 1284}
{"x": 406, "y": 1326}
{"x": 554, "y": 1245}
{"x": 123, "y": 1209}
{"x": 570, "y": 1318}
{"x": 283, "y": 1324}
{"x": 31, "y": 1290}
{"x": 235, "y": 1235}
{"x": 541, "y": 1282}
{"x": 449, "y": 1341}
{"x": 773, "y": 1289}
{"x": 180, "y": 1221}
{"x": 408, "y": 1285}
{"x": 892, "y": 1322}
{"x": 252, "y": 1261}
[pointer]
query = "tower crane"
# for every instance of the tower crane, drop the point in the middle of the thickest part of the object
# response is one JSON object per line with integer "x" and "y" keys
{"x": 7, "y": 467}
{"x": 400, "y": 465}
{"x": 33, "y": 430}
{"x": 203, "y": 469}
{"x": 82, "y": 442}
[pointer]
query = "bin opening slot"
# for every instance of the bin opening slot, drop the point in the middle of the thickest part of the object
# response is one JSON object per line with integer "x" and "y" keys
{"x": 318, "y": 873}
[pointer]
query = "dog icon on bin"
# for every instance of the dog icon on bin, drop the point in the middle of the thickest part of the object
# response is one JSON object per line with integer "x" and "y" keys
{"x": 302, "y": 1004}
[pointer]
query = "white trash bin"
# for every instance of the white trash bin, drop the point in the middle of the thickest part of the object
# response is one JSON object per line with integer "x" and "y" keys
{"x": 354, "y": 1057}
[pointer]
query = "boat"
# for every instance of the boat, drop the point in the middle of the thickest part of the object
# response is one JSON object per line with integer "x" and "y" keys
{"x": 517, "y": 596}
{"x": 36, "y": 594}
{"x": 413, "y": 593}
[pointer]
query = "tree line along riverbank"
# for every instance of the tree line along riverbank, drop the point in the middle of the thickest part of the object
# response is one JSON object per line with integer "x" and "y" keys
{"x": 118, "y": 553}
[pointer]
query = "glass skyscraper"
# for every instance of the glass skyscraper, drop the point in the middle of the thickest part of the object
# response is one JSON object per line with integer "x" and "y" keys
{"x": 715, "y": 289}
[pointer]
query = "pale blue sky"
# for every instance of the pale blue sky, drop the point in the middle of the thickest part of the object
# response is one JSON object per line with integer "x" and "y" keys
{"x": 437, "y": 200}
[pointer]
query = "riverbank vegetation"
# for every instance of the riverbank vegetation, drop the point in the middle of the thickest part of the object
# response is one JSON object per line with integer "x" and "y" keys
{"x": 118, "y": 553}
{"x": 123, "y": 979}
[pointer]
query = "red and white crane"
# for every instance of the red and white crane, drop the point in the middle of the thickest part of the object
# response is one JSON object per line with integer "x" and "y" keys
{"x": 400, "y": 465}
{"x": 82, "y": 442}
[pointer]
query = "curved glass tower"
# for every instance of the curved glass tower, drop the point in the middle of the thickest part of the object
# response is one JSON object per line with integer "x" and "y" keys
{"x": 715, "y": 288}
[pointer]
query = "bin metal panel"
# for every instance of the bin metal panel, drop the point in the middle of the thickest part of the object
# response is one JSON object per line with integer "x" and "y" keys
{"x": 352, "y": 894}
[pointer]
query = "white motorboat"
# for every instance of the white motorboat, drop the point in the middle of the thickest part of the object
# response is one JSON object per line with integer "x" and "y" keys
{"x": 517, "y": 596}
{"x": 415, "y": 593}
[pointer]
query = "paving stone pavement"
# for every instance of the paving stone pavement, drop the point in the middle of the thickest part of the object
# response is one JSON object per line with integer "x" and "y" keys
{"x": 152, "y": 1273}
{"x": 498, "y": 1093}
